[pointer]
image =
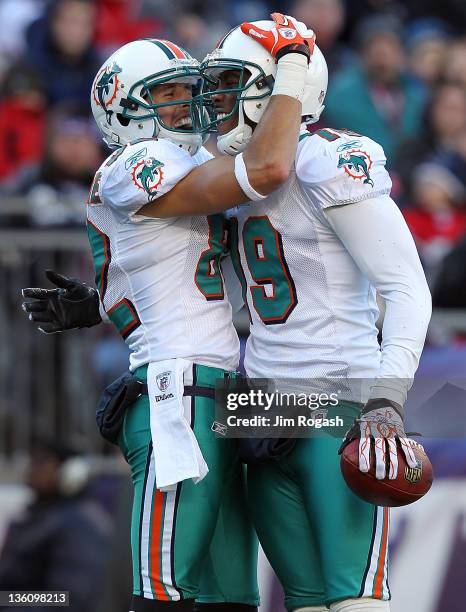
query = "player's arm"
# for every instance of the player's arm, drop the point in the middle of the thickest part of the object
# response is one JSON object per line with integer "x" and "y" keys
{"x": 378, "y": 239}
{"x": 265, "y": 165}
{"x": 214, "y": 187}
{"x": 356, "y": 203}
{"x": 376, "y": 235}
{"x": 348, "y": 182}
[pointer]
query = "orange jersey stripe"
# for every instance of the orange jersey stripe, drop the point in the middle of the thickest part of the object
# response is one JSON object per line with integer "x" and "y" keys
{"x": 156, "y": 546}
{"x": 176, "y": 50}
{"x": 383, "y": 553}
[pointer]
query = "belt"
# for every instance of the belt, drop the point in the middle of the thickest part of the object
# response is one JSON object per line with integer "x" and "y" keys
{"x": 189, "y": 390}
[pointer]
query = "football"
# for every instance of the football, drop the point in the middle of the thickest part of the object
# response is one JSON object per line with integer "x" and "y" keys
{"x": 410, "y": 484}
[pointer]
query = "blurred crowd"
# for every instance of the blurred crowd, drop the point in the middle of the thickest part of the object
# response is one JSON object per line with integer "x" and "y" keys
{"x": 72, "y": 534}
{"x": 397, "y": 74}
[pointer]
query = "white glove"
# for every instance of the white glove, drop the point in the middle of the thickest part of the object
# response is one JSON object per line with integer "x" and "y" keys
{"x": 381, "y": 420}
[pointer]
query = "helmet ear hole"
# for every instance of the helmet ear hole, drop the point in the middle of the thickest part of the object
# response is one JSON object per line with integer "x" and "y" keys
{"x": 266, "y": 81}
{"x": 124, "y": 121}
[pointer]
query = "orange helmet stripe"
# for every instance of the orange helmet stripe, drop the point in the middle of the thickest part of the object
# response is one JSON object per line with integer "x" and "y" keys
{"x": 179, "y": 53}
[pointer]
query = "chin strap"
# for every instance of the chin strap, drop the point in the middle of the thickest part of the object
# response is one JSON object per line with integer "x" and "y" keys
{"x": 236, "y": 140}
{"x": 189, "y": 142}
{"x": 310, "y": 119}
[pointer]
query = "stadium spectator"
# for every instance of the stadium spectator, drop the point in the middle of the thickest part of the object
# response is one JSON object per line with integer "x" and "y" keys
{"x": 15, "y": 16}
{"x": 460, "y": 148}
{"x": 453, "y": 11}
{"x": 61, "y": 541}
{"x": 118, "y": 577}
{"x": 326, "y": 18}
{"x": 428, "y": 44}
{"x": 449, "y": 289}
{"x": 444, "y": 125}
{"x": 120, "y": 21}
{"x": 60, "y": 47}
{"x": 245, "y": 10}
{"x": 377, "y": 98}
{"x": 455, "y": 65}
{"x": 437, "y": 216}
{"x": 194, "y": 35}
{"x": 72, "y": 153}
{"x": 22, "y": 125}
{"x": 449, "y": 114}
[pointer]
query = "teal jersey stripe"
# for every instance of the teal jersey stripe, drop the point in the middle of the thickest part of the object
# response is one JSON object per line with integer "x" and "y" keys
{"x": 125, "y": 318}
{"x": 327, "y": 135}
{"x": 100, "y": 247}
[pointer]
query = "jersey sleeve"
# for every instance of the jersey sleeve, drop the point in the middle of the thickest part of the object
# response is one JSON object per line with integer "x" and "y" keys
{"x": 338, "y": 168}
{"x": 376, "y": 236}
{"x": 142, "y": 172}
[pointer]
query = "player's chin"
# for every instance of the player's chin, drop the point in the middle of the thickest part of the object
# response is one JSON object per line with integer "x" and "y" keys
{"x": 223, "y": 127}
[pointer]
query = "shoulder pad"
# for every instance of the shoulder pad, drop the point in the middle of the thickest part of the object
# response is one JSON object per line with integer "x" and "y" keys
{"x": 354, "y": 164}
{"x": 142, "y": 171}
{"x": 335, "y": 152}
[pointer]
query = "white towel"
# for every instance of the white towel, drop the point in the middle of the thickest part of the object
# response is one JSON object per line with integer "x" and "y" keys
{"x": 176, "y": 451}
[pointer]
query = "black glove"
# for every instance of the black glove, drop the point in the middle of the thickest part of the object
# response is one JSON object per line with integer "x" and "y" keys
{"x": 73, "y": 305}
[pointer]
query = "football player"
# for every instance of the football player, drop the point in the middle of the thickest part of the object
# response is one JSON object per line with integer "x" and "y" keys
{"x": 159, "y": 281}
{"x": 310, "y": 258}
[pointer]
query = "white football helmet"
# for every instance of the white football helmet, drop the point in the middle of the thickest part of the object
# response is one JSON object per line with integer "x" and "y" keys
{"x": 237, "y": 51}
{"x": 122, "y": 102}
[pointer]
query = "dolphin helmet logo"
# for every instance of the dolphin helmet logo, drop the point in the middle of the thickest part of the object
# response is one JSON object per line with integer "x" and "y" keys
{"x": 106, "y": 87}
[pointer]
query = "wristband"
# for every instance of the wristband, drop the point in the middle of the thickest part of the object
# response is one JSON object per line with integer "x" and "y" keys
{"x": 291, "y": 76}
{"x": 241, "y": 174}
{"x": 392, "y": 389}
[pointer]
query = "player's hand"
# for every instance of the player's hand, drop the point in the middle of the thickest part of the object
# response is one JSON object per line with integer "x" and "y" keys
{"x": 283, "y": 38}
{"x": 72, "y": 305}
{"x": 380, "y": 421}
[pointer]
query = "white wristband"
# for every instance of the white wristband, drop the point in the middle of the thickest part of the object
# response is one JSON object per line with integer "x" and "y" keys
{"x": 241, "y": 174}
{"x": 291, "y": 76}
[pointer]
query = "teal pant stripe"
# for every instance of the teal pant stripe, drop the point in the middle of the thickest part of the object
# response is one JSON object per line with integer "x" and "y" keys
{"x": 208, "y": 547}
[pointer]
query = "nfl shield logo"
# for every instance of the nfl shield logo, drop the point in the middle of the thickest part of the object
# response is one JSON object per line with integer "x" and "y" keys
{"x": 319, "y": 414}
{"x": 163, "y": 380}
{"x": 414, "y": 475}
{"x": 219, "y": 428}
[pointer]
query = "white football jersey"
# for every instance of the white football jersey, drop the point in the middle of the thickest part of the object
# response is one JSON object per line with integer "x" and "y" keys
{"x": 159, "y": 279}
{"x": 313, "y": 311}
